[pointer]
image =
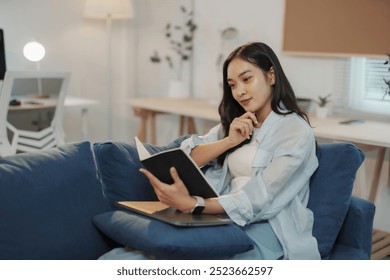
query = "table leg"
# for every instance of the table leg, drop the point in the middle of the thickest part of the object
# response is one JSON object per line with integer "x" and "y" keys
{"x": 152, "y": 119}
{"x": 186, "y": 124}
{"x": 181, "y": 125}
{"x": 376, "y": 174}
{"x": 147, "y": 117}
{"x": 191, "y": 126}
{"x": 142, "y": 130}
{"x": 84, "y": 129}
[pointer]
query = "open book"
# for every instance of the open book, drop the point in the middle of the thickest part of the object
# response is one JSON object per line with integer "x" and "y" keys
{"x": 160, "y": 163}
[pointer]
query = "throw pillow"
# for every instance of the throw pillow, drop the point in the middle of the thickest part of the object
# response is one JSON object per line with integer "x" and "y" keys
{"x": 165, "y": 241}
{"x": 330, "y": 191}
{"x": 119, "y": 165}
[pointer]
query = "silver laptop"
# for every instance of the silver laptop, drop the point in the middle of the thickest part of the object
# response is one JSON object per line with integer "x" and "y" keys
{"x": 159, "y": 211}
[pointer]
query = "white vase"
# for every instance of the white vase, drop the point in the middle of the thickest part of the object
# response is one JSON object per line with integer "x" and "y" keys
{"x": 321, "y": 112}
{"x": 178, "y": 89}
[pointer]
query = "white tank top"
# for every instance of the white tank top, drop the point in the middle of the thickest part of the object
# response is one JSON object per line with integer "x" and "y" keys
{"x": 240, "y": 163}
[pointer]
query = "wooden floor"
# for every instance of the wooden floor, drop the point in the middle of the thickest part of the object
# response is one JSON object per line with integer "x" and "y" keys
{"x": 380, "y": 245}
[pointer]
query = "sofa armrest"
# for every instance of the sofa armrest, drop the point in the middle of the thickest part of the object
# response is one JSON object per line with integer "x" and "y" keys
{"x": 356, "y": 231}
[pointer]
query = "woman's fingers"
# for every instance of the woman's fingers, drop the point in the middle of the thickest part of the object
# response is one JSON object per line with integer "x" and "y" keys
{"x": 250, "y": 115}
{"x": 175, "y": 195}
{"x": 244, "y": 125}
{"x": 156, "y": 184}
{"x": 253, "y": 117}
{"x": 250, "y": 120}
{"x": 161, "y": 188}
{"x": 148, "y": 174}
{"x": 175, "y": 176}
{"x": 154, "y": 181}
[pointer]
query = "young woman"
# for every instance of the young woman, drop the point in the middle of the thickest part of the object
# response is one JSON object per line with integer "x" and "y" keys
{"x": 261, "y": 158}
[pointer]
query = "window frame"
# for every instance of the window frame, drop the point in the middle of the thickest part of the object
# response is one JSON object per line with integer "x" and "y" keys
{"x": 357, "y": 99}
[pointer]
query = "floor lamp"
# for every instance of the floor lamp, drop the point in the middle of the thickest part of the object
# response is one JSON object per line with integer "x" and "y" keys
{"x": 109, "y": 10}
{"x": 35, "y": 52}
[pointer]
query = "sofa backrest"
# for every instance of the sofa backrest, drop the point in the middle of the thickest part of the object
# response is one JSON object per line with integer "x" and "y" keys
{"x": 47, "y": 201}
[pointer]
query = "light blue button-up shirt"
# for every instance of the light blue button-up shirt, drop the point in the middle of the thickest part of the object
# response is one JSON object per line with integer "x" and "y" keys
{"x": 278, "y": 190}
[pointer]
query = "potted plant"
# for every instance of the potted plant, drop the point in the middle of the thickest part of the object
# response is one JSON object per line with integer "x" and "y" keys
{"x": 322, "y": 109}
{"x": 180, "y": 38}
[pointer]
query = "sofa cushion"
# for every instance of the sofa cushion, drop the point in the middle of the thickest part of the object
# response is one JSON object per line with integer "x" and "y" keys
{"x": 119, "y": 170}
{"x": 359, "y": 221}
{"x": 330, "y": 191}
{"x": 165, "y": 241}
{"x": 47, "y": 201}
{"x": 341, "y": 252}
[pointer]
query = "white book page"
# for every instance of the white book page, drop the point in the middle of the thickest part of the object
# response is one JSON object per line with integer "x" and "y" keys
{"x": 142, "y": 152}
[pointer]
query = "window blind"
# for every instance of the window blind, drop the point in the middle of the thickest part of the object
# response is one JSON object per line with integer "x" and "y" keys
{"x": 375, "y": 72}
{"x": 340, "y": 94}
{"x": 337, "y": 27}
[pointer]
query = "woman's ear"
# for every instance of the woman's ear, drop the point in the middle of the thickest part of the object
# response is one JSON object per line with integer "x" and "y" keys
{"x": 271, "y": 75}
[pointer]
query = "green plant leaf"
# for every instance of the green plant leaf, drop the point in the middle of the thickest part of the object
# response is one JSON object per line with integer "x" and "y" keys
{"x": 180, "y": 38}
{"x": 187, "y": 38}
{"x": 155, "y": 58}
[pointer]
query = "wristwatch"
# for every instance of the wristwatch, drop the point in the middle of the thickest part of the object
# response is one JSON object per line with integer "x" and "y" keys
{"x": 199, "y": 206}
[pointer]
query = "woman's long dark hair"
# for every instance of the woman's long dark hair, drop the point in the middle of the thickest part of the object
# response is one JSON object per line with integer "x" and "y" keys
{"x": 263, "y": 57}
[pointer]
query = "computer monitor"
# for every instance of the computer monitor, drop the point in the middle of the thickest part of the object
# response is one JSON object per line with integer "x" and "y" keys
{"x": 2, "y": 55}
{"x": 30, "y": 84}
{"x": 40, "y": 86}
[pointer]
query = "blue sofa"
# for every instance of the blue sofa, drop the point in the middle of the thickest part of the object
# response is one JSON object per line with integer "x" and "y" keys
{"x": 60, "y": 204}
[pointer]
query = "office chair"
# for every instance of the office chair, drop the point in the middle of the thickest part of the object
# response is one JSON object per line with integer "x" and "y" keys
{"x": 13, "y": 139}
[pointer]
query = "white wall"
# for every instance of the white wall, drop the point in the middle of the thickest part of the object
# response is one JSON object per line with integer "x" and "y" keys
{"x": 79, "y": 45}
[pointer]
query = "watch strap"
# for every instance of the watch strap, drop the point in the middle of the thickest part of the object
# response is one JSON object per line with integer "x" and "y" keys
{"x": 199, "y": 206}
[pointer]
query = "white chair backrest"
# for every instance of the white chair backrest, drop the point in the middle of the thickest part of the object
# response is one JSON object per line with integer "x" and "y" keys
{"x": 26, "y": 140}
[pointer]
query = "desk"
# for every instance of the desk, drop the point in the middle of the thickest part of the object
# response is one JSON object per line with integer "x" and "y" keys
{"x": 71, "y": 102}
{"x": 187, "y": 109}
{"x": 369, "y": 134}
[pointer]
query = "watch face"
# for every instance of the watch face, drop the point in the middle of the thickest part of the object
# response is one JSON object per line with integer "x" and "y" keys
{"x": 198, "y": 210}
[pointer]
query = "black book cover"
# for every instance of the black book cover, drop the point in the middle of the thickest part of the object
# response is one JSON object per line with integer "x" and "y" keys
{"x": 160, "y": 163}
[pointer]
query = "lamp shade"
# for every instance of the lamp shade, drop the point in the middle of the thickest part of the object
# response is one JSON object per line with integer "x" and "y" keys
{"x": 115, "y": 9}
{"x": 34, "y": 51}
